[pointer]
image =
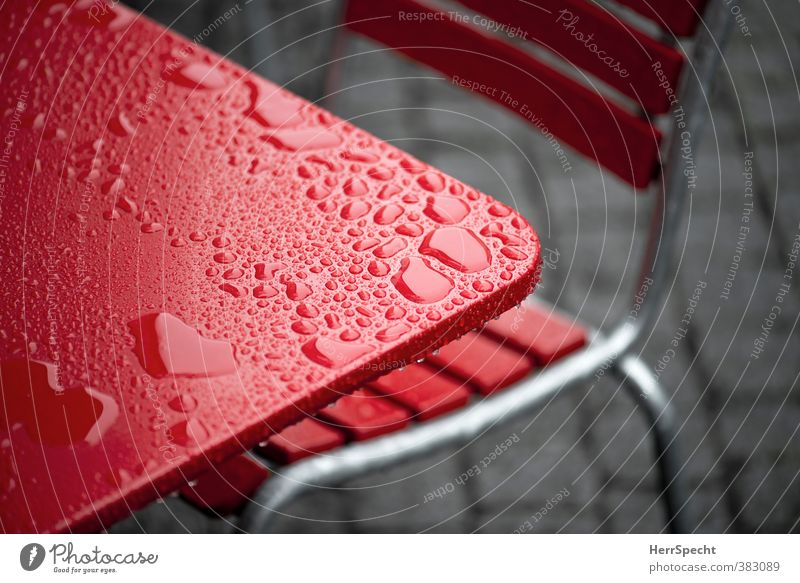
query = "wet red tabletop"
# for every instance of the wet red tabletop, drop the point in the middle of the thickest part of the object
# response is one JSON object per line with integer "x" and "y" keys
{"x": 193, "y": 257}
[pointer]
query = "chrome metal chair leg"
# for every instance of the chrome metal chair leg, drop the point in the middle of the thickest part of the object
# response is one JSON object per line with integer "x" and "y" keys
{"x": 644, "y": 386}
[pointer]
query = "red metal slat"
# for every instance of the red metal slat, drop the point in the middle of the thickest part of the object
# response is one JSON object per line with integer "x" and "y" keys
{"x": 422, "y": 389}
{"x": 482, "y": 362}
{"x": 592, "y": 39}
{"x": 621, "y": 142}
{"x": 227, "y": 487}
{"x": 677, "y": 16}
{"x": 533, "y": 329}
{"x": 308, "y": 437}
{"x": 365, "y": 414}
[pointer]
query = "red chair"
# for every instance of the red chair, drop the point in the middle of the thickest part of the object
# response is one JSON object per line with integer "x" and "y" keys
{"x": 543, "y": 352}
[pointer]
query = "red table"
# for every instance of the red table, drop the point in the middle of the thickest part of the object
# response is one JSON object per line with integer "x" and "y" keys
{"x": 193, "y": 257}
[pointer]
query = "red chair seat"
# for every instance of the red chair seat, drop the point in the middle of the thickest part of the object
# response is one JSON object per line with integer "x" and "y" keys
{"x": 308, "y": 437}
{"x": 365, "y": 414}
{"x": 538, "y": 331}
{"x": 225, "y": 488}
{"x": 482, "y": 362}
{"x": 425, "y": 391}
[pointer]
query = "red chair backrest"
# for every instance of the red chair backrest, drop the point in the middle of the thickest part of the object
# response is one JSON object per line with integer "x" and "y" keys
{"x": 588, "y": 37}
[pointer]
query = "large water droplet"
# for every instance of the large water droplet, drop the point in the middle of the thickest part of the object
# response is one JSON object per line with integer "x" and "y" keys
{"x": 197, "y": 75}
{"x": 51, "y": 414}
{"x": 391, "y": 248}
{"x": 303, "y": 139}
{"x": 355, "y": 210}
{"x": 274, "y": 109}
{"x": 431, "y": 181}
{"x": 297, "y": 290}
{"x": 189, "y": 433}
{"x": 167, "y": 346}
{"x": 332, "y": 353}
{"x": 420, "y": 283}
{"x": 447, "y": 210}
{"x": 392, "y": 332}
{"x": 457, "y": 248}
{"x": 388, "y": 214}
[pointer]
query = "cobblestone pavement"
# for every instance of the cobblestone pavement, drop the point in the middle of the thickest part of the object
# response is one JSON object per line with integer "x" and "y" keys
{"x": 740, "y": 410}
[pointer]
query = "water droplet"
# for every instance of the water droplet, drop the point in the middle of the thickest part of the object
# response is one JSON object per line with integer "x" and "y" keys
{"x": 392, "y": 333}
{"x": 355, "y": 187}
{"x": 388, "y": 214}
{"x": 197, "y": 75}
{"x": 420, "y": 283}
{"x": 189, "y": 433}
{"x": 499, "y": 210}
{"x": 225, "y": 257}
{"x": 457, "y": 248}
{"x": 365, "y": 244}
{"x": 120, "y": 125}
{"x": 391, "y": 248}
{"x": 304, "y": 139}
{"x": 413, "y": 166}
{"x": 513, "y": 253}
{"x": 355, "y": 210}
{"x": 318, "y": 192}
{"x": 431, "y": 181}
{"x": 264, "y": 291}
{"x": 307, "y": 311}
{"x": 304, "y": 327}
{"x": 350, "y": 335}
{"x": 378, "y": 268}
{"x": 332, "y": 353}
{"x": 274, "y": 109}
{"x": 297, "y": 290}
{"x": 183, "y": 403}
{"x": 496, "y": 230}
{"x": 32, "y": 394}
{"x": 165, "y": 345}
{"x": 483, "y": 286}
{"x": 381, "y": 173}
{"x": 266, "y": 271}
{"x": 395, "y": 313}
{"x": 410, "y": 229}
{"x": 233, "y": 273}
{"x": 150, "y": 228}
{"x": 447, "y": 210}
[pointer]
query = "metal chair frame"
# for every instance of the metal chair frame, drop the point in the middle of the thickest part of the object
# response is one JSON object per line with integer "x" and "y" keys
{"x": 615, "y": 350}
